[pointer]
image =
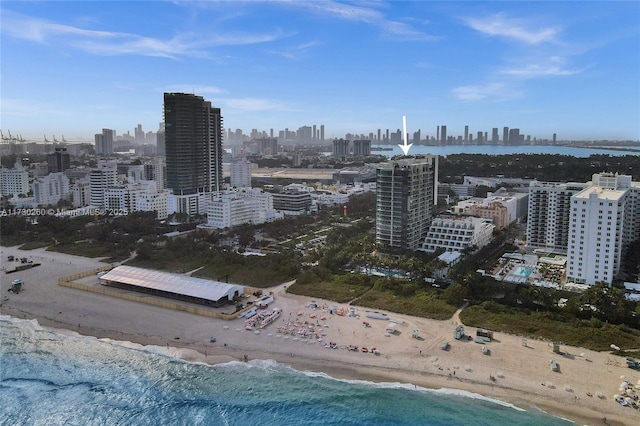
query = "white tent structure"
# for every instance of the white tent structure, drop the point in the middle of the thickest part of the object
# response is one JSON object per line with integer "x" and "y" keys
{"x": 175, "y": 286}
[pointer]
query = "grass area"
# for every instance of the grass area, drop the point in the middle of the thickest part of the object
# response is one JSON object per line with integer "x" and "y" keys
{"x": 341, "y": 289}
{"x": 550, "y": 326}
{"x": 426, "y": 304}
{"x": 177, "y": 264}
{"x": 88, "y": 249}
{"x": 250, "y": 275}
{"x": 225, "y": 266}
{"x": 373, "y": 292}
{"x": 12, "y": 240}
{"x": 32, "y": 245}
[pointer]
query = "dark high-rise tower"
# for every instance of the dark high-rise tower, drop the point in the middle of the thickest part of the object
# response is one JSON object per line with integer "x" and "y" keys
{"x": 505, "y": 135}
{"x": 58, "y": 161}
{"x": 406, "y": 200}
{"x": 193, "y": 144}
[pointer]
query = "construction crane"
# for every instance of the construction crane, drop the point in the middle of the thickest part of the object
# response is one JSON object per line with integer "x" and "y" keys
{"x": 45, "y": 138}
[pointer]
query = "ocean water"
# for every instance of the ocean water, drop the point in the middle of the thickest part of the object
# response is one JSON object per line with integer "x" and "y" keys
{"x": 47, "y": 378}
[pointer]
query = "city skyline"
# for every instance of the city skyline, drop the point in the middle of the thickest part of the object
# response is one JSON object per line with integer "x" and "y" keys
{"x": 546, "y": 67}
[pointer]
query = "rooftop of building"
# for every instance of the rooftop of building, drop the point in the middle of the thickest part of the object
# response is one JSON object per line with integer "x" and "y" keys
{"x": 171, "y": 283}
{"x": 601, "y": 193}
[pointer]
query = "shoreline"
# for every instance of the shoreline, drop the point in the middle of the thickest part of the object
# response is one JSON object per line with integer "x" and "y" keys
{"x": 522, "y": 372}
{"x": 495, "y": 394}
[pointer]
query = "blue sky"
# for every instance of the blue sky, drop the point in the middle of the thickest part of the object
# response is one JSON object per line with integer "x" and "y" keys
{"x": 571, "y": 68}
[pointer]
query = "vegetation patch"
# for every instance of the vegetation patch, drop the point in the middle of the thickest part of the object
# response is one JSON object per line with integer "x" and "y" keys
{"x": 319, "y": 282}
{"x": 552, "y": 326}
{"x": 424, "y": 303}
{"x": 90, "y": 249}
{"x": 254, "y": 271}
{"x": 32, "y": 245}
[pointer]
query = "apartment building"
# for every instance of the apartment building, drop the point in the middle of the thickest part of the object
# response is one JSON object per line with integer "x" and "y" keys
{"x": 604, "y": 219}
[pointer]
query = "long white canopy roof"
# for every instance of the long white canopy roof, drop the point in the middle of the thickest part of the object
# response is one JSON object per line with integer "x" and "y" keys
{"x": 172, "y": 283}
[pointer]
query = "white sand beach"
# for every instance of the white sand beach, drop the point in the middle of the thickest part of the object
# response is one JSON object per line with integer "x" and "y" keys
{"x": 511, "y": 372}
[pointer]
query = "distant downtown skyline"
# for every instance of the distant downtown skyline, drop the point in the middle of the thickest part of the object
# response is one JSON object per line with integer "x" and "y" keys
{"x": 571, "y": 68}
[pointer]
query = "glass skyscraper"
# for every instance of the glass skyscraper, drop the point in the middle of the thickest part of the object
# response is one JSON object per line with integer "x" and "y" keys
{"x": 406, "y": 200}
{"x": 193, "y": 144}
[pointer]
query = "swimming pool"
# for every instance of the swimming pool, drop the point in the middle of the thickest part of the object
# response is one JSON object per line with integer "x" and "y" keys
{"x": 523, "y": 271}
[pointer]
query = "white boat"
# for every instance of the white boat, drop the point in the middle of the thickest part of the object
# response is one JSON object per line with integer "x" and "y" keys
{"x": 619, "y": 399}
{"x": 485, "y": 350}
{"x": 554, "y": 365}
{"x": 377, "y": 315}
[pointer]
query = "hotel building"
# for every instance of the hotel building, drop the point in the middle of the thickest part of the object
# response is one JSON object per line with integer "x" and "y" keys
{"x": 548, "y": 214}
{"x": 604, "y": 219}
{"x": 456, "y": 233}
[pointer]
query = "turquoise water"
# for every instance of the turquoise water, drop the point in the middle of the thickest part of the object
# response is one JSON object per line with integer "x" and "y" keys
{"x": 523, "y": 271}
{"x": 52, "y": 379}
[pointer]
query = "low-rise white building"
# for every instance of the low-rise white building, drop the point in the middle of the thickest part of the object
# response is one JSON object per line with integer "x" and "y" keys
{"x": 50, "y": 189}
{"x": 456, "y": 233}
{"x": 81, "y": 193}
{"x": 502, "y": 207}
{"x": 190, "y": 204}
{"x": 139, "y": 196}
{"x": 14, "y": 182}
{"x": 153, "y": 201}
{"x": 329, "y": 198}
{"x": 235, "y": 208}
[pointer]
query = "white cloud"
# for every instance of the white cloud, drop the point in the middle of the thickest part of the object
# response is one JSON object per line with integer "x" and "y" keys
{"x": 365, "y": 14}
{"x": 501, "y": 25}
{"x": 294, "y": 52}
{"x": 491, "y": 91}
{"x": 108, "y": 43}
{"x": 551, "y": 67}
